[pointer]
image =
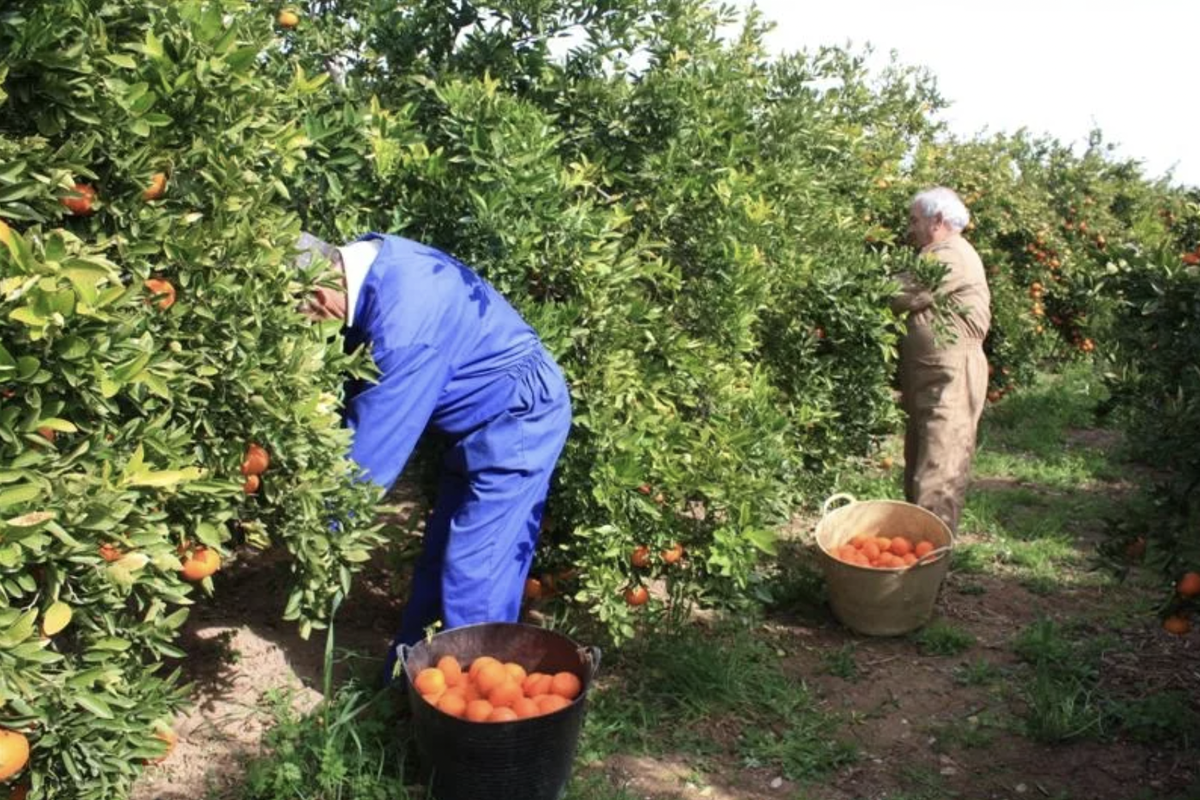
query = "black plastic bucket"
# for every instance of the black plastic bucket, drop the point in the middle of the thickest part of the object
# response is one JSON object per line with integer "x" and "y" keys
{"x": 527, "y": 759}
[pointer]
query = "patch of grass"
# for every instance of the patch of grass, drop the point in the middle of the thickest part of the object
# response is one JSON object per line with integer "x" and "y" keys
{"x": 1060, "y": 709}
{"x": 799, "y": 748}
{"x": 347, "y": 747}
{"x": 840, "y": 663}
{"x": 676, "y": 691}
{"x": 972, "y": 589}
{"x": 979, "y": 672}
{"x": 1062, "y": 700}
{"x": 940, "y": 638}
{"x": 1159, "y": 718}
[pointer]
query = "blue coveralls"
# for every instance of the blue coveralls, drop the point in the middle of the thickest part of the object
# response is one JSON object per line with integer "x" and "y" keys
{"x": 455, "y": 356}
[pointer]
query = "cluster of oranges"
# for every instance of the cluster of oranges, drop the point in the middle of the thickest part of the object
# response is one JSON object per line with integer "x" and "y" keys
{"x": 882, "y": 552}
{"x": 1187, "y": 588}
{"x": 492, "y": 691}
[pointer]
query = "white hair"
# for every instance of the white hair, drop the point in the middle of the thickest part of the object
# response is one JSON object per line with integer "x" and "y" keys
{"x": 940, "y": 200}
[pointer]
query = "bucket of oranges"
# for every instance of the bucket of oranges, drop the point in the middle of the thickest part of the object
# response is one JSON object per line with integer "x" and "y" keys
{"x": 497, "y": 709}
{"x": 884, "y": 562}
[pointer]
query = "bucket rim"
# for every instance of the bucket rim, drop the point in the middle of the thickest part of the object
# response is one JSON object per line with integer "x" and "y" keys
{"x": 829, "y": 514}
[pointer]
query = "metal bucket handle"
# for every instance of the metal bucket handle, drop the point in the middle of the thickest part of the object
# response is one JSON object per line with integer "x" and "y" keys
{"x": 826, "y": 506}
{"x": 931, "y": 556}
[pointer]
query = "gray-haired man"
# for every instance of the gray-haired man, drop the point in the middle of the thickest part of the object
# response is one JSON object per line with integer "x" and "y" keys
{"x": 943, "y": 379}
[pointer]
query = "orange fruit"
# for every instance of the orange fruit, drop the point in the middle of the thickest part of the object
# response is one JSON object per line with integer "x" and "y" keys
{"x": 479, "y": 664}
{"x": 163, "y": 289}
{"x": 430, "y": 680}
{"x": 871, "y": 550}
{"x": 640, "y": 557}
{"x": 80, "y": 203}
{"x": 479, "y": 710}
{"x": 674, "y": 554}
{"x": 288, "y": 19}
{"x": 451, "y": 671}
{"x": 505, "y": 694}
{"x": 251, "y": 484}
{"x": 1177, "y": 625}
{"x": 1189, "y": 584}
{"x": 453, "y": 704}
{"x": 884, "y": 543}
{"x": 14, "y": 753}
{"x": 637, "y": 596}
{"x": 504, "y": 714}
{"x": 537, "y": 684}
{"x": 48, "y": 434}
{"x": 858, "y": 541}
{"x": 566, "y": 684}
{"x": 923, "y": 549}
{"x": 526, "y": 707}
{"x": 847, "y": 553}
{"x": 256, "y": 460}
{"x": 910, "y": 559}
{"x": 157, "y": 187}
{"x": 470, "y": 691}
{"x": 110, "y": 552}
{"x": 901, "y": 546}
{"x": 171, "y": 738}
{"x": 516, "y": 672}
{"x": 490, "y": 677}
{"x": 549, "y": 703}
{"x": 533, "y": 589}
{"x": 201, "y": 563}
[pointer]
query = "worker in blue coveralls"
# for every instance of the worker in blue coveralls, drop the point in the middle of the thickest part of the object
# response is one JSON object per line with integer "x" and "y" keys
{"x": 455, "y": 357}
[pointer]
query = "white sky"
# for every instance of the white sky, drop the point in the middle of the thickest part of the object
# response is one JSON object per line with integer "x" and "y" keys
{"x": 1054, "y": 66}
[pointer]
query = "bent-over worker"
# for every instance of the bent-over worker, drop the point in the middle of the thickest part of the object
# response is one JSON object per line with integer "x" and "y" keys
{"x": 454, "y": 356}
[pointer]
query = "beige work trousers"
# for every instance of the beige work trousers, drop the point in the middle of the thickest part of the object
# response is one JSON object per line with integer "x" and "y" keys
{"x": 943, "y": 394}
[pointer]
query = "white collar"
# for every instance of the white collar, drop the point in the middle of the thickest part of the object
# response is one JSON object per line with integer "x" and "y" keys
{"x": 357, "y": 258}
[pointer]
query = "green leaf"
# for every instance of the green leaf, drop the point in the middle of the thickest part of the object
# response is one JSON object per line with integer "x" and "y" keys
{"x": 93, "y": 704}
{"x": 20, "y": 494}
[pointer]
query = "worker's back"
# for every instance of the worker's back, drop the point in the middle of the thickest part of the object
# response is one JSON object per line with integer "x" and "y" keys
{"x": 417, "y": 296}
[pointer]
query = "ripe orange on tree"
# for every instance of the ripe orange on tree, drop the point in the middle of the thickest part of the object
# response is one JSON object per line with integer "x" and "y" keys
{"x": 674, "y": 554}
{"x": 252, "y": 484}
{"x": 164, "y": 290}
{"x": 533, "y": 589}
{"x": 1189, "y": 585}
{"x": 1177, "y": 625}
{"x": 111, "y": 552}
{"x": 80, "y": 201}
{"x": 157, "y": 187}
{"x": 256, "y": 460}
{"x": 288, "y": 19}
{"x": 637, "y": 596}
{"x": 199, "y": 563}
{"x": 640, "y": 557}
{"x": 14, "y": 753}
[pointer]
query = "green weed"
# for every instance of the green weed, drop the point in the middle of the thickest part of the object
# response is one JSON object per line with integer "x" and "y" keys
{"x": 940, "y": 638}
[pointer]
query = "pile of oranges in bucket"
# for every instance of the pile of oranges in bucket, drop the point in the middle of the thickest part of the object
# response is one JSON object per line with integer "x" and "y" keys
{"x": 491, "y": 691}
{"x": 882, "y": 552}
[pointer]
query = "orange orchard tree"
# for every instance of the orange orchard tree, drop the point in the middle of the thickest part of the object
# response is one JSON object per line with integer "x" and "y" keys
{"x": 149, "y": 335}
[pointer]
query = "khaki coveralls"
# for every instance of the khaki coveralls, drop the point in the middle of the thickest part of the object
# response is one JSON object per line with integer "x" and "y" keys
{"x": 944, "y": 382}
